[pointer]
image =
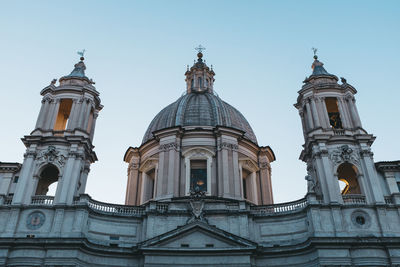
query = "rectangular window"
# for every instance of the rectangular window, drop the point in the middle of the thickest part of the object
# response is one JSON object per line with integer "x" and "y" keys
{"x": 333, "y": 112}
{"x": 16, "y": 179}
{"x": 198, "y": 175}
{"x": 64, "y": 111}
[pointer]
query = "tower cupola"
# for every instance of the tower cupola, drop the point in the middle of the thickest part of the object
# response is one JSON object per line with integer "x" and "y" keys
{"x": 199, "y": 78}
{"x": 319, "y": 74}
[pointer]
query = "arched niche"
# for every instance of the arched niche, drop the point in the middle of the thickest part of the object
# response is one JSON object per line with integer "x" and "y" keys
{"x": 48, "y": 177}
{"x": 347, "y": 175}
{"x": 198, "y": 162}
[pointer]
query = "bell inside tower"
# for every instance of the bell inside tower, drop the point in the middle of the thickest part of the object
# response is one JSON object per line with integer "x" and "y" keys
{"x": 333, "y": 113}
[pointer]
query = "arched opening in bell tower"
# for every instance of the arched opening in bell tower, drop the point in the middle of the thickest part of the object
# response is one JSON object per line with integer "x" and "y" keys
{"x": 333, "y": 112}
{"x": 64, "y": 111}
{"x": 348, "y": 182}
{"x": 48, "y": 180}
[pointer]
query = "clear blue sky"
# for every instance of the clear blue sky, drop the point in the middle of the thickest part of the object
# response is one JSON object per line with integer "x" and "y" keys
{"x": 137, "y": 52}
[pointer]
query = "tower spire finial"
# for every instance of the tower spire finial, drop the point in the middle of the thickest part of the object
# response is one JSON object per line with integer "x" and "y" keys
{"x": 81, "y": 53}
{"x": 315, "y": 52}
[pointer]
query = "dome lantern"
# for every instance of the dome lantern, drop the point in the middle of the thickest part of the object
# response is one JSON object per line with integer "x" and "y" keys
{"x": 199, "y": 78}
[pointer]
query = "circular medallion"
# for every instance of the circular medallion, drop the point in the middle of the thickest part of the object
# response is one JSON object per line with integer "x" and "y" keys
{"x": 35, "y": 220}
{"x": 361, "y": 219}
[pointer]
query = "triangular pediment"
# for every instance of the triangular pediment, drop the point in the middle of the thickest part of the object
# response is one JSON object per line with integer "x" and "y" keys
{"x": 198, "y": 235}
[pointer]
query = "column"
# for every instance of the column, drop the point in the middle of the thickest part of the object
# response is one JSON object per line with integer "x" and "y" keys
{"x": 49, "y": 114}
{"x": 342, "y": 113}
{"x": 321, "y": 112}
{"x": 331, "y": 181}
{"x": 391, "y": 182}
{"x": 309, "y": 115}
{"x": 325, "y": 111}
{"x": 225, "y": 172}
{"x": 171, "y": 172}
{"x": 86, "y": 116}
{"x": 254, "y": 195}
{"x": 74, "y": 112}
{"x": 372, "y": 177}
{"x": 84, "y": 176}
{"x": 5, "y": 183}
{"x": 354, "y": 115}
{"x": 82, "y": 112}
{"x": 315, "y": 113}
{"x": 348, "y": 113}
{"x": 53, "y": 115}
{"x": 22, "y": 195}
{"x": 266, "y": 187}
{"x": 95, "y": 115}
{"x": 236, "y": 177}
{"x": 64, "y": 182}
{"x": 74, "y": 179}
{"x": 161, "y": 176}
{"x": 131, "y": 190}
{"x": 41, "y": 114}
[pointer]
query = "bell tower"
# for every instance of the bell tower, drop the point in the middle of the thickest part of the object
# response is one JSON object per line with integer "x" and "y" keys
{"x": 59, "y": 150}
{"x": 337, "y": 149}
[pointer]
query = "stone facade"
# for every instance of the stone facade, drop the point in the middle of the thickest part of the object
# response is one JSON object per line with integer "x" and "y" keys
{"x": 199, "y": 191}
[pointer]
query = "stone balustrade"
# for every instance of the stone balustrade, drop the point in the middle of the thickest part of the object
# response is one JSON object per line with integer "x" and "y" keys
{"x": 279, "y": 208}
{"x": 114, "y": 209}
{"x": 353, "y": 199}
{"x": 42, "y": 200}
{"x": 389, "y": 200}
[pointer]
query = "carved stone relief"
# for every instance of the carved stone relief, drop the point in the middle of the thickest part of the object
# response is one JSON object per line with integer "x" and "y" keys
{"x": 344, "y": 154}
{"x": 228, "y": 146}
{"x": 169, "y": 146}
{"x": 51, "y": 156}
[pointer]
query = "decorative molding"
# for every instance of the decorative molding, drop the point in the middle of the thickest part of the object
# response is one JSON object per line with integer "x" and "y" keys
{"x": 51, "y": 156}
{"x": 229, "y": 146}
{"x": 320, "y": 153}
{"x": 133, "y": 166}
{"x": 169, "y": 146}
{"x": 366, "y": 153}
{"x": 76, "y": 154}
{"x": 147, "y": 165}
{"x": 250, "y": 165}
{"x": 30, "y": 154}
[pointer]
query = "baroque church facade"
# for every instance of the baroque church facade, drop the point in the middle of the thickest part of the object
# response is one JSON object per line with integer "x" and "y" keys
{"x": 199, "y": 186}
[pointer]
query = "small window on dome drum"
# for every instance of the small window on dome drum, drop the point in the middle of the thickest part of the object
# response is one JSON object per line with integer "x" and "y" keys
{"x": 198, "y": 175}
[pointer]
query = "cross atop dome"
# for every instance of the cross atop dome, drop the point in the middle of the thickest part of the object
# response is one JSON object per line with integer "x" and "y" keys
{"x": 200, "y": 48}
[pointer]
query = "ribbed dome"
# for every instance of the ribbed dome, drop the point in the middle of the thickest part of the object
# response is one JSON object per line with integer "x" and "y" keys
{"x": 199, "y": 109}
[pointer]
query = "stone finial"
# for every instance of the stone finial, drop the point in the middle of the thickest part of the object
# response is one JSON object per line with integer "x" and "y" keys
{"x": 53, "y": 81}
